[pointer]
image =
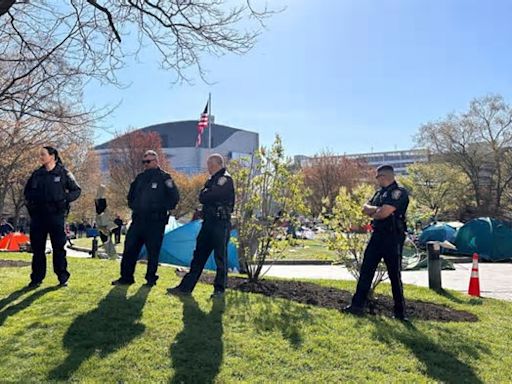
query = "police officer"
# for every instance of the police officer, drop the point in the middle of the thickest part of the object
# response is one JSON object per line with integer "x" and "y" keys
{"x": 387, "y": 208}
{"x": 152, "y": 195}
{"x": 218, "y": 199}
{"x": 48, "y": 192}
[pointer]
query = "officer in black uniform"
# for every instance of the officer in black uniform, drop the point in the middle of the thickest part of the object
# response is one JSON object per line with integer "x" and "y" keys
{"x": 218, "y": 199}
{"x": 152, "y": 195}
{"x": 387, "y": 208}
{"x": 48, "y": 192}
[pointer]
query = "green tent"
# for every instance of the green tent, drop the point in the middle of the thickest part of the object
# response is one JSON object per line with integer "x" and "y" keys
{"x": 490, "y": 238}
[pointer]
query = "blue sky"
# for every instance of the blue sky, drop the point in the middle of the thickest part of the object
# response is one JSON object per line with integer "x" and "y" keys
{"x": 350, "y": 76}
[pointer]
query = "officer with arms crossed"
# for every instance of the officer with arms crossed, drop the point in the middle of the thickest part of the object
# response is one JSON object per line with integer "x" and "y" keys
{"x": 387, "y": 208}
{"x": 152, "y": 195}
{"x": 218, "y": 199}
{"x": 48, "y": 193}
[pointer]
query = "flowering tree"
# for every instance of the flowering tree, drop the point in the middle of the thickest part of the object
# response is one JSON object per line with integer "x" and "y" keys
{"x": 189, "y": 187}
{"x": 326, "y": 172}
{"x": 268, "y": 196}
{"x": 349, "y": 234}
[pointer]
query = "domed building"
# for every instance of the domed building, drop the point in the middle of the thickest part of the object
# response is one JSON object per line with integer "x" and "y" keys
{"x": 179, "y": 144}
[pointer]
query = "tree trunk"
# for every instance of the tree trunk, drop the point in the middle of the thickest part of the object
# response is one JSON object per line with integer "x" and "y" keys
{"x": 3, "y": 194}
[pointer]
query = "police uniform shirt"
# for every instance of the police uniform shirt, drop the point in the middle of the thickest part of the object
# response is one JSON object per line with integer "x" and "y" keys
{"x": 51, "y": 191}
{"x": 153, "y": 192}
{"x": 395, "y": 196}
{"x": 218, "y": 191}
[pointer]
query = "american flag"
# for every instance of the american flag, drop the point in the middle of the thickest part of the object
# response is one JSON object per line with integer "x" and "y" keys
{"x": 202, "y": 124}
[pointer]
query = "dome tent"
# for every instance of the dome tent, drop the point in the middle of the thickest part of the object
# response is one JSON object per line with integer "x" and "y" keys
{"x": 489, "y": 237}
{"x": 179, "y": 243}
{"x": 12, "y": 241}
{"x": 439, "y": 231}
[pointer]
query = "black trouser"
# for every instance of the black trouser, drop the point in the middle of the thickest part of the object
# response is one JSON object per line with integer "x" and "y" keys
{"x": 41, "y": 226}
{"x": 142, "y": 232}
{"x": 117, "y": 235}
{"x": 214, "y": 236}
{"x": 103, "y": 237}
{"x": 387, "y": 246}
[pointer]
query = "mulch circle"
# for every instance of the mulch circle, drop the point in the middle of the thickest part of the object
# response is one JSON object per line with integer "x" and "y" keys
{"x": 13, "y": 263}
{"x": 332, "y": 298}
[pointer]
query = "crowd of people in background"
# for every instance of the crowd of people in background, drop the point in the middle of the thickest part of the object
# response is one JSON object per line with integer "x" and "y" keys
{"x": 8, "y": 225}
{"x": 74, "y": 229}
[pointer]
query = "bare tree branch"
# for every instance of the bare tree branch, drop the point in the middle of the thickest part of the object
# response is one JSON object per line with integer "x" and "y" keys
{"x": 109, "y": 17}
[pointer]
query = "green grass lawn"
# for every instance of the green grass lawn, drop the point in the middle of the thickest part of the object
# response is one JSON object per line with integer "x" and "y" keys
{"x": 92, "y": 332}
{"x": 314, "y": 249}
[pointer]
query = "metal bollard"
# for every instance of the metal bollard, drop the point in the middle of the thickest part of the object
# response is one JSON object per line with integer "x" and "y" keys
{"x": 434, "y": 265}
{"x": 94, "y": 248}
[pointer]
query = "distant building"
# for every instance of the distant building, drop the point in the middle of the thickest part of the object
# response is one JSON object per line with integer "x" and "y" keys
{"x": 399, "y": 160}
{"x": 178, "y": 144}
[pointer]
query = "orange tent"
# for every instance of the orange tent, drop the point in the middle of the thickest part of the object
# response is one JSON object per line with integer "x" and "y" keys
{"x": 12, "y": 241}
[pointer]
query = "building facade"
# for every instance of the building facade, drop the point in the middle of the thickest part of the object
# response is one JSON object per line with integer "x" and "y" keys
{"x": 399, "y": 160}
{"x": 179, "y": 139}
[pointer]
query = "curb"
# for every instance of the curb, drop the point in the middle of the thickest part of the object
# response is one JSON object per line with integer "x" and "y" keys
{"x": 86, "y": 250}
{"x": 299, "y": 262}
{"x": 79, "y": 249}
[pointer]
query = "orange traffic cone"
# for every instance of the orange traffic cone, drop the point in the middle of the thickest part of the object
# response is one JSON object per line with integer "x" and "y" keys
{"x": 474, "y": 282}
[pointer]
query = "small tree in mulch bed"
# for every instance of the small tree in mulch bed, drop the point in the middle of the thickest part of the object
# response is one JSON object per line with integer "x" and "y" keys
{"x": 269, "y": 198}
{"x": 349, "y": 236}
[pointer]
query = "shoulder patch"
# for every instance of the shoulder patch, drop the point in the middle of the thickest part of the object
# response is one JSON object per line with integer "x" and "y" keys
{"x": 396, "y": 194}
{"x": 226, "y": 173}
{"x": 169, "y": 183}
{"x": 222, "y": 180}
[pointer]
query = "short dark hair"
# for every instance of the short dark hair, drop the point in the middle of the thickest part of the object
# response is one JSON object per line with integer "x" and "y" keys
{"x": 385, "y": 168}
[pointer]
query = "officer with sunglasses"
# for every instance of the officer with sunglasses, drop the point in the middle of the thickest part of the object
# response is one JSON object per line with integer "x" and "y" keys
{"x": 153, "y": 194}
{"x": 387, "y": 208}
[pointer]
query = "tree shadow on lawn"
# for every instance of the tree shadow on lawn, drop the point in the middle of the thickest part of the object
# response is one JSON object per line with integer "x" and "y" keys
{"x": 284, "y": 315}
{"x": 440, "y": 358}
{"x": 25, "y": 303}
{"x": 197, "y": 352}
{"x": 107, "y": 328}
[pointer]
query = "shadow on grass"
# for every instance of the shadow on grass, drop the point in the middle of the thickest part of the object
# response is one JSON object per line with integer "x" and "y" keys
{"x": 14, "y": 296}
{"x": 197, "y": 352}
{"x": 23, "y": 304}
{"x": 450, "y": 296}
{"x": 110, "y": 326}
{"x": 283, "y": 315}
{"x": 440, "y": 356}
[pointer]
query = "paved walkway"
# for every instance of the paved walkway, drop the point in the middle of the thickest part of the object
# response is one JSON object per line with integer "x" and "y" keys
{"x": 495, "y": 279}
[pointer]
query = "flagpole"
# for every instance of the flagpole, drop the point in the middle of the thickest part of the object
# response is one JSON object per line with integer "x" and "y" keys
{"x": 209, "y": 120}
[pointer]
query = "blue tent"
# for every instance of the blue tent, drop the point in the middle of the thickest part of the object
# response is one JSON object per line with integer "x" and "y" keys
{"x": 179, "y": 244}
{"x": 490, "y": 238}
{"x": 438, "y": 232}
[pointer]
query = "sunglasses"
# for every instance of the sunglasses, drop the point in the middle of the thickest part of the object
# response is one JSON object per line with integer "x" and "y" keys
{"x": 147, "y": 161}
